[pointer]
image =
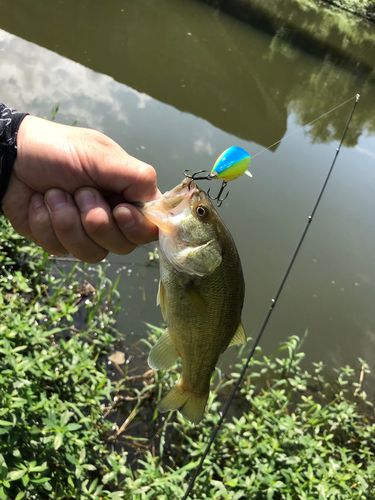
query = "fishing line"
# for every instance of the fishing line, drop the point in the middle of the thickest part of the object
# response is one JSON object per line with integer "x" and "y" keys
{"x": 301, "y": 128}
{"x": 273, "y": 303}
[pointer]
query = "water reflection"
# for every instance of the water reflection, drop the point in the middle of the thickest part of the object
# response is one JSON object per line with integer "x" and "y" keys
{"x": 205, "y": 82}
{"x": 203, "y": 62}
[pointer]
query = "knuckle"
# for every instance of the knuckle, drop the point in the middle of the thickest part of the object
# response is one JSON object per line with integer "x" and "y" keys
{"x": 99, "y": 142}
{"x": 100, "y": 229}
{"x": 147, "y": 174}
{"x": 96, "y": 223}
{"x": 41, "y": 220}
{"x": 100, "y": 138}
{"x": 66, "y": 223}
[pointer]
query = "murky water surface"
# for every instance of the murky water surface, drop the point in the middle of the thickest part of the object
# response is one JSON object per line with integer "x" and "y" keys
{"x": 176, "y": 83}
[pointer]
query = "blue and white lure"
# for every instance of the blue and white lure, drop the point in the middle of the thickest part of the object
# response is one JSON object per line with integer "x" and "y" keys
{"x": 230, "y": 165}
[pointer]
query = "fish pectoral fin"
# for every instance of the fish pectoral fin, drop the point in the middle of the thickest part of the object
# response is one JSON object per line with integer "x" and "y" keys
{"x": 190, "y": 405}
{"x": 193, "y": 293}
{"x": 163, "y": 355}
{"x": 161, "y": 300}
{"x": 239, "y": 337}
{"x": 201, "y": 260}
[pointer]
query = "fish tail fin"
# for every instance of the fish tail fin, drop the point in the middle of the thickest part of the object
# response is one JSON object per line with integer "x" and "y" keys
{"x": 190, "y": 405}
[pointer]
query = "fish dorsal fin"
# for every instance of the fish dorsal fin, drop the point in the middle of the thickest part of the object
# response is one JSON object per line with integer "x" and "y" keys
{"x": 193, "y": 293}
{"x": 162, "y": 300}
{"x": 163, "y": 355}
{"x": 239, "y": 337}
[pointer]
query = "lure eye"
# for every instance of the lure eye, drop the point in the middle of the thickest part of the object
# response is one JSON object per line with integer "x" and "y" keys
{"x": 201, "y": 211}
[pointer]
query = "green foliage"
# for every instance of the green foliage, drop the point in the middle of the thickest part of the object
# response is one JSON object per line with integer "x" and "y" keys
{"x": 296, "y": 435}
{"x": 16, "y": 251}
{"x": 52, "y": 383}
{"x": 55, "y": 111}
{"x": 359, "y": 7}
{"x": 153, "y": 255}
{"x": 299, "y": 437}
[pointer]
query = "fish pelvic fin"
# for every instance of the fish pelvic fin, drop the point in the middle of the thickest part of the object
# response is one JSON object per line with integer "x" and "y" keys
{"x": 162, "y": 300}
{"x": 190, "y": 405}
{"x": 163, "y": 355}
{"x": 239, "y": 337}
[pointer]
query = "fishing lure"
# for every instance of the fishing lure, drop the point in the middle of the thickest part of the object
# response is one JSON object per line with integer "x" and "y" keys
{"x": 230, "y": 165}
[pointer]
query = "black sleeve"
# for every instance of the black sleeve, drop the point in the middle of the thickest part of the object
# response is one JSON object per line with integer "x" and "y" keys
{"x": 10, "y": 120}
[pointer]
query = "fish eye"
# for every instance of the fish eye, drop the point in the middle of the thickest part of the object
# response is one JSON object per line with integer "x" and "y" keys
{"x": 201, "y": 211}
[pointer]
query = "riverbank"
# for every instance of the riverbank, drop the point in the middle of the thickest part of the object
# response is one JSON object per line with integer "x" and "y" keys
{"x": 319, "y": 28}
{"x": 361, "y": 8}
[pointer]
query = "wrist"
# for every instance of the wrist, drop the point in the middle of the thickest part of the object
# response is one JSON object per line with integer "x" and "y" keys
{"x": 9, "y": 126}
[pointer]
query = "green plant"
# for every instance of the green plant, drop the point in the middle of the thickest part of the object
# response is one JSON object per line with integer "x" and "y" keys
{"x": 298, "y": 436}
{"x": 153, "y": 255}
{"x": 295, "y": 435}
{"x": 53, "y": 382}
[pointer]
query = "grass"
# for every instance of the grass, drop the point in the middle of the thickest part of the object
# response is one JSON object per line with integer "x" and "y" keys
{"x": 53, "y": 381}
{"x": 70, "y": 430}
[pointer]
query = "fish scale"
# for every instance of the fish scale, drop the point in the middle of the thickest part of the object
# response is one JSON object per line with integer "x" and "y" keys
{"x": 201, "y": 293}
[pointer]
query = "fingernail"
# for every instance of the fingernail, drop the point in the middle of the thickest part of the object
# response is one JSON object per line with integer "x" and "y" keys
{"x": 56, "y": 199}
{"x": 37, "y": 201}
{"x": 124, "y": 218}
{"x": 85, "y": 200}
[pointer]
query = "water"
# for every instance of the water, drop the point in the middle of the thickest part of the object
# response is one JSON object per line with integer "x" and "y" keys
{"x": 177, "y": 83}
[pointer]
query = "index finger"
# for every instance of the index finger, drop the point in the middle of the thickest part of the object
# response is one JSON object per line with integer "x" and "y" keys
{"x": 113, "y": 169}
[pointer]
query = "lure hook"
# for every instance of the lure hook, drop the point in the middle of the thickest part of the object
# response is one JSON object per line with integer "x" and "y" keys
{"x": 195, "y": 177}
{"x": 219, "y": 200}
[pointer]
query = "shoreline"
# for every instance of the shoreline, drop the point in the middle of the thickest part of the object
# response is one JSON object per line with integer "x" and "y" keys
{"x": 363, "y": 9}
{"x": 358, "y": 9}
{"x": 317, "y": 27}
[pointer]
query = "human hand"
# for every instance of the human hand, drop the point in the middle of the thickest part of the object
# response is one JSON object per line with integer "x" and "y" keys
{"x": 71, "y": 191}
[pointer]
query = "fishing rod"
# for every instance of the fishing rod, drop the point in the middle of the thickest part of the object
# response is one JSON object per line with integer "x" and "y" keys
{"x": 270, "y": 310}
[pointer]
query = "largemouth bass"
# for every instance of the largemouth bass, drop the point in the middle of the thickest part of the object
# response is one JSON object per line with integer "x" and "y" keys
{"x": 201, "y": 293}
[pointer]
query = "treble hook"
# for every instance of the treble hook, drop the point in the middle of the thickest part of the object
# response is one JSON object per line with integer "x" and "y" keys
{"x": 194, "y": 177}
{"x": 219, "y": 200}
{"x": 208, "y": 177}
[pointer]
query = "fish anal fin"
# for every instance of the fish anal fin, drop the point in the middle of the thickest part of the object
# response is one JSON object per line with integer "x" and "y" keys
{"x": 162, "y": 300}
{"x": 163, "y": 355}
{"x": 190, "y": 405}
{"x": 239, "y": 337}
{"x": 193, "y": 293}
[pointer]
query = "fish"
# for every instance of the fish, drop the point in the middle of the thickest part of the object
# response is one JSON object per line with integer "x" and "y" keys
{"x": 201, "y": 294}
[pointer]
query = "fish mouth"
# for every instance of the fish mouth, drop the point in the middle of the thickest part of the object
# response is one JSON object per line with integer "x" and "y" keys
{"x": 171, "y": 203}
{"x": 183, "y": 192}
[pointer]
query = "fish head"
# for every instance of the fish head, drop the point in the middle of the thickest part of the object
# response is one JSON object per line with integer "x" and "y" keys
{"x": 189, "y": 228}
